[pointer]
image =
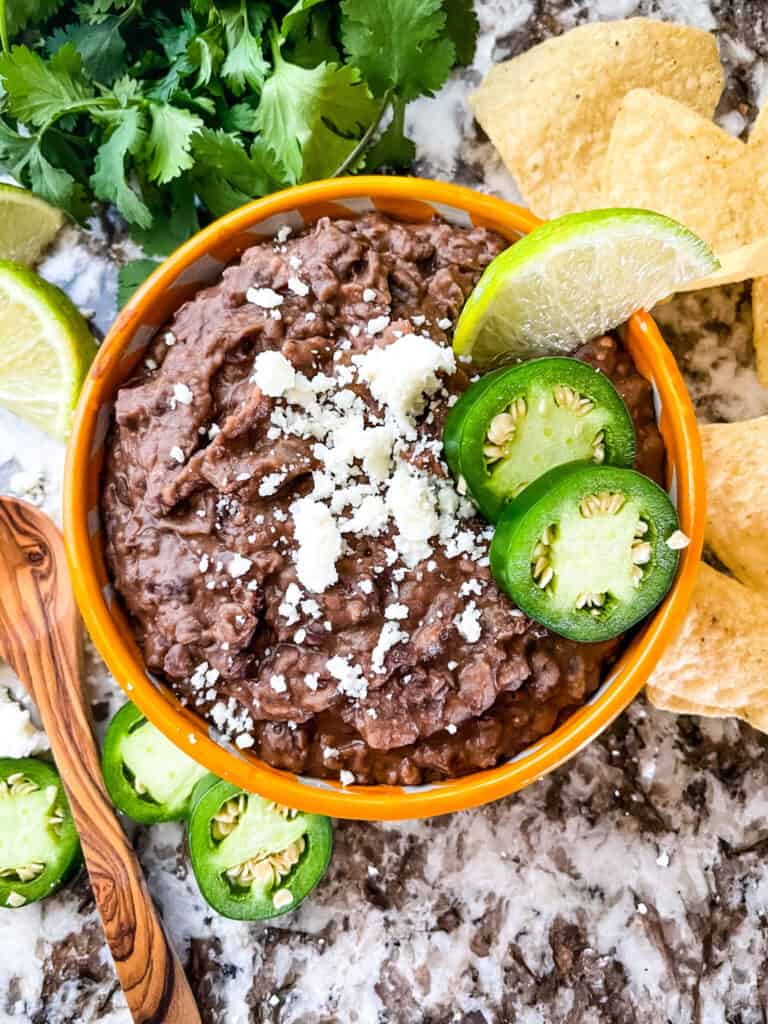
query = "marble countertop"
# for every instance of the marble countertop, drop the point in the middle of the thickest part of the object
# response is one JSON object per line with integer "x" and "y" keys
{"x": 630, "y": 886}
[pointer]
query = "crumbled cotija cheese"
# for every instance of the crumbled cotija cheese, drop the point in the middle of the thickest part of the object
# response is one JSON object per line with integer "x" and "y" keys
{"x": 273, "y": 373}
{"x": 396, "y": 611}
{"x": 370, "y": 518}
{"x": 403, "y": 373}
{"x": 278, "y": 683}
{"x": 183, "y": 394}
{"x": 390, "y": 636}
{"x": 319, "y": 543}
{"x": 349, "y": 677}
{"x": 238, "y": 566}
{"x": 468, "y": 623}
{"x": 412, "y": 503}
{"x": 297, "y": 286}
{"x": 270, "y": 484}
{"x": 377, "y": 324}
{"x": 264, "y": 297}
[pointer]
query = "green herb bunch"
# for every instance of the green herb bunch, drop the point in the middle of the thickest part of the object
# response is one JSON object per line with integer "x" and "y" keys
{"x": 177, "y": 112}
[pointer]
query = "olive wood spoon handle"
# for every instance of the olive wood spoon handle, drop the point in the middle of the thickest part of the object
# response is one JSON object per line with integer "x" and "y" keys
{"x": 39, "y": 637}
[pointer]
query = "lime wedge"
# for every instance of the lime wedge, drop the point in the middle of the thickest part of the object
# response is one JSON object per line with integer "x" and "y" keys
{"x": 45, "y": 350}
{"x": 28, "y": 224}
{"x": 574, "y": 278}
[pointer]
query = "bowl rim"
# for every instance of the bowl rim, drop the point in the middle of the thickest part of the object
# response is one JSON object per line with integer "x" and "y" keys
{"x": 378, "y": 802}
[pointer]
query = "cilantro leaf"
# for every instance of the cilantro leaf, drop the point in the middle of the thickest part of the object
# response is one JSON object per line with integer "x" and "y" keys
{"x": 295, "y": 17}
{"x": 20, "y": 13}
{"x": 239, "y": 117}
{"x": 205, "y": 53}
{"x": 462, "y": 26}
{"x": 126, "y": 89}
{"x": 392, "y": 148}
{"x": 226, "y": 175}
{"x": 311, "y": 119}
{"x": 130, "y": 276}
{"x": 244, "y": 64}
{"x": 174, "y": 217}
{"x": 169, "y": 142}
{"x": 96, "y": 10}
{"x": 175, "y": 41}
{"x": 101, "y": 47}
{"x": 311, "y": 40}
{"x": 23, "y": 157}
{"x": 175, "y": 38}
{"x": 38, "y": 92}
{"x": 175, "y": 110}
{"x": 56, "y": 185}
{"x": 398, "y": 44}
{"x": 14, "y": 150}
{"x": 109, "y": 178}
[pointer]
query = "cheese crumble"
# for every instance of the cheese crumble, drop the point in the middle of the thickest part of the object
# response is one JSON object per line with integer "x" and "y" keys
{"x": 264, "y": 297}
{"x": 319, "y": 543}
{"x": 183, "y": 394}
{"x": 404, "y": 374}
{"x": 468, "y": 623}
{"x": 273, "y": 374}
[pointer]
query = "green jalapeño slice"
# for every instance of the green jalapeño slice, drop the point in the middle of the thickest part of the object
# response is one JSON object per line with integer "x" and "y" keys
{"x": 515, "y": 424}
{"x": 254, "y": 859}
{"x": 39, "y": 848}
{"x": 584, "y": 550}
{"x": 146, "y": 776}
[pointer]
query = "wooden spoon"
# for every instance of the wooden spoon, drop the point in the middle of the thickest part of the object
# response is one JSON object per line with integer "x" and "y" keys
{"x": 40, "y": 638}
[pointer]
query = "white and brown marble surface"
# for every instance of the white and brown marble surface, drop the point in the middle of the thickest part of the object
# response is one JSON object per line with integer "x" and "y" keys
{"x": 630, "y": 887}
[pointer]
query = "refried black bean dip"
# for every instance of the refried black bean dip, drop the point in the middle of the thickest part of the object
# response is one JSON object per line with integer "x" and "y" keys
{"x": 294, "y": 555}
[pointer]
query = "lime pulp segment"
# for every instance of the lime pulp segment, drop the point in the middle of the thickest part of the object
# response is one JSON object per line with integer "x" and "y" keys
{"x": 45, "y": 350}
{"x": 28, "y": 224}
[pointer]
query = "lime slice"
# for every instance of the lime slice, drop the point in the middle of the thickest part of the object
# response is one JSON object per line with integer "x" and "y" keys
{"x": 28, "y": 225}
{"x": 574, "y": 278}
{"x": 45, "y": 350}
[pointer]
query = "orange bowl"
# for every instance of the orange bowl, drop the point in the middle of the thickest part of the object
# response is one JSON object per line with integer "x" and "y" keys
{"x": 198, "y": 263}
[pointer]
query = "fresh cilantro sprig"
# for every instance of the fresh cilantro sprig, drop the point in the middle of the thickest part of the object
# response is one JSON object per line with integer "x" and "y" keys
{"x": 175, "y": 112}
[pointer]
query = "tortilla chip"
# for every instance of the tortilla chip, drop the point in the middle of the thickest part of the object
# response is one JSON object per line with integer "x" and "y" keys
{"x": 549, "y": 111}
{"x": 718, "y": 665}
{"x": 760, "y": 327}
{"x": 737, "y": 265}
{"x": 736, "y": 458}
{"x": 663, "y": 156}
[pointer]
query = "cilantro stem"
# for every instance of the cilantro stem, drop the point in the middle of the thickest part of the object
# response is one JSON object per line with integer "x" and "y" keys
{"x": 4, "y": 28}
{"x": 274, "y": 42}
{"x": 78, "y": 108}
{"x": 362, "y": 145}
